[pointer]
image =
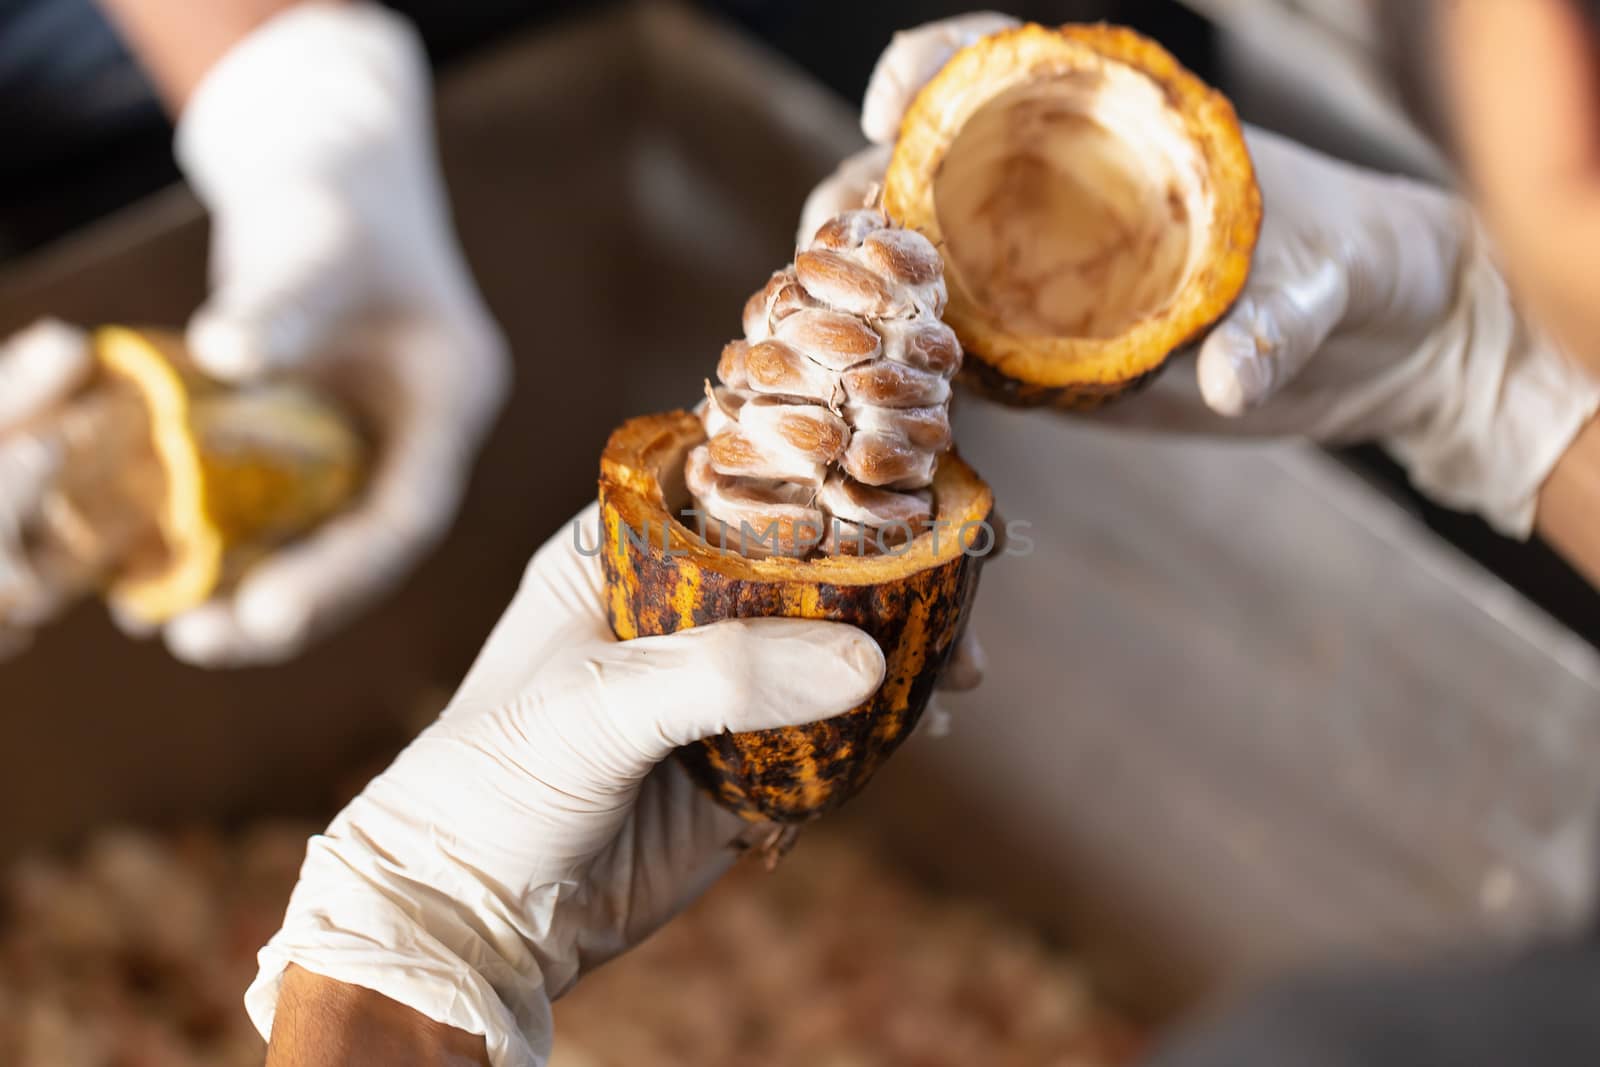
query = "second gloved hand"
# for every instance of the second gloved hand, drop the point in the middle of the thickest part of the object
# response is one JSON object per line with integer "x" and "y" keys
{"x": 333, "y": 258}
{"x": 40, "y": 367}
{"x": 1374, "y": 312}
{"x": 533, "y": 831}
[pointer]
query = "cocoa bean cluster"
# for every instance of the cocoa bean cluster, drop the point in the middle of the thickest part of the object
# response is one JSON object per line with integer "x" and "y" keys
{"x": 832, "y": 410}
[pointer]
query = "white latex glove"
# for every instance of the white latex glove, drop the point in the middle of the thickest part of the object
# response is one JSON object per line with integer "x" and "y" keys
{"x": 333, "y": 257}
{"x": 39, "y": 368}
{"x": 910, "y": 62}
{"x": 530, "y": 834}
{"x": 1374, "y": 312}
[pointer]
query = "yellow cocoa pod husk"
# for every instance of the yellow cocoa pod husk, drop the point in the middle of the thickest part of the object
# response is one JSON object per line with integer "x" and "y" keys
{"x": 244, "y": 470}
{"x": 1094, "y": 201}
{"x": 662, "y": 577}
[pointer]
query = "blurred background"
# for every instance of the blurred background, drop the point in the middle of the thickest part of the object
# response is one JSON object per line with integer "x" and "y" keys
{"x": 1364, "y": 727}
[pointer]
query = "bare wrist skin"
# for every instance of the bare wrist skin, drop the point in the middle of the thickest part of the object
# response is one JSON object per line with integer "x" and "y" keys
{"x": 1522, "y": 78}
{"x": 324, "y": 1023}
{"x": 1569, "y": 504}
{"x": 178, "y": 41}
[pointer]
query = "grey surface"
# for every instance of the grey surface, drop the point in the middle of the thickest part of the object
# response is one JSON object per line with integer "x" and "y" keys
{"x": 1241, "y": 711}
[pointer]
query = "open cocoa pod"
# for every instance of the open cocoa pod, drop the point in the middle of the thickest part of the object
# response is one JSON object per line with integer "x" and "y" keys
{"x": 663, "y": 576}
{"x": 1094, "y": 202}
{"x": 175, "y": 484}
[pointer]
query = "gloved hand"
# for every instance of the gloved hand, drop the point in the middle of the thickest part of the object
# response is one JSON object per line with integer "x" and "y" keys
{"x": 39, "y": 368}
{"x": 530, "y": 834}
{"x": 910, "y": 62}
{"x": 1374, "y": 312}
{"x": 333, "y": 257}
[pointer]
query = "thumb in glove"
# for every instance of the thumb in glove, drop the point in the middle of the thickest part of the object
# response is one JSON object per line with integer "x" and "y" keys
{"x": 910, "y": 62}
{"x": 530, "y": 832}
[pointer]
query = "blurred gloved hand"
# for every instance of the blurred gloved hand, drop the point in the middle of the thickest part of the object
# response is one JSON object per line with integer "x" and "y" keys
{"x": 39, "y": 368}
{"x": 530, "y": 834}
{"x": 1374, "y": 312}
{"x": 333, "y": 257}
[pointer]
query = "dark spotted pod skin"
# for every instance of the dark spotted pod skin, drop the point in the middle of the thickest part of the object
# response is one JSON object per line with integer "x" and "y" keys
{"x": 661, "y": 577}
{"x": 986, "y": 381}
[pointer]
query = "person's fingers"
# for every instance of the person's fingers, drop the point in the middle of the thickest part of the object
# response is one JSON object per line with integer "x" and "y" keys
{"x": 39, "y": 367}
{"x": 281, "y": 303}
{"x": 428, "y": 387}
{"x": 673, "y": 846}
{"x": 302, "y": 592}
{"x": 305, "y": 590}
{"x": 130, "y": 623}
{"x": 656, "y": 694}
{"x": 913, "y": 56}
{"x": 204, "y": 636}
{"x": 1269, "y": 337}
{"x": 967, "y": 663}
{"x": 560, "y": 602}
{"x": 29, "y": 464}
{"x": 28, "y": 467}
{"x": 936, "y": 719}
{"x": 911, "y": 60}
{"x": 847, "y": 188}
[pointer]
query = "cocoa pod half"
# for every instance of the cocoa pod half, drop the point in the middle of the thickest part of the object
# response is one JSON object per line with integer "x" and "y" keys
{"x": 661, "y": 577}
